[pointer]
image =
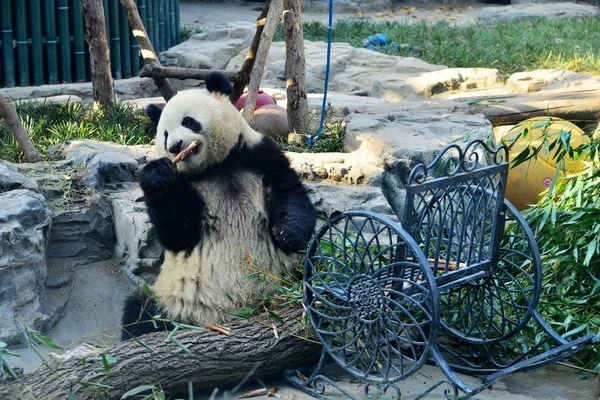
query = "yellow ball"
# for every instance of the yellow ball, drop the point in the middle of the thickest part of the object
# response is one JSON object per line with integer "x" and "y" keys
{"x": 529, "y": 179}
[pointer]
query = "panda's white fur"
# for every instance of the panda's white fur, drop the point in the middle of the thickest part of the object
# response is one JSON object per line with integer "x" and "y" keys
{"x": 203, "y": 284}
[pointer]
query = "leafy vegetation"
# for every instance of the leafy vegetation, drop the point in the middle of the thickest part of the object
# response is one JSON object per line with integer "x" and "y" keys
{"x": 331, "y": 140}
{"x": 509, "y": 46}
{"x": 51, "y": 123}
{"x": 187, "y": 32}
{"x": 566, "y": 224}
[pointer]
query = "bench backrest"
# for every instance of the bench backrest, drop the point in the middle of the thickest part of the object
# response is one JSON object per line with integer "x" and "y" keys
{"x": 454, "y": 209}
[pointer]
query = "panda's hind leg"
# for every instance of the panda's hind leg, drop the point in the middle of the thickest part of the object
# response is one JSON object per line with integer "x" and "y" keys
{"x": 137, "y": 316}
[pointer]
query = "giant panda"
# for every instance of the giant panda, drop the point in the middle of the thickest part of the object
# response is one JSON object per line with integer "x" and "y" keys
{"x": 233, "y": 197}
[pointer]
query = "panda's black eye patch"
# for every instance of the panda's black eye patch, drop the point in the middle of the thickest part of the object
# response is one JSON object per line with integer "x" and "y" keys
{"x": 191, "y": 124}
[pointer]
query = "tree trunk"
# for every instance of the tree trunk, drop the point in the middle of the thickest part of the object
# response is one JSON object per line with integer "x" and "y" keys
{"x": 95, "y": 30}
{"x": 139, "y": 32}
{"x": 11, "y": 118}
{"x": 295, "y": 68}
{"x": 156, "y": 72}
{"x": 273, "y": 19}
{"x": 238, "y": 87}
{"x": 214, "y": 359}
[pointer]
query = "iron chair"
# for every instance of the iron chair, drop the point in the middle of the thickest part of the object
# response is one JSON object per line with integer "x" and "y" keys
{"x": 453, "y": 285}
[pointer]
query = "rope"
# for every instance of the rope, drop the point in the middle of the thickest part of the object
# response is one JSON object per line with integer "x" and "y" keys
{"x": 311, "y": 140}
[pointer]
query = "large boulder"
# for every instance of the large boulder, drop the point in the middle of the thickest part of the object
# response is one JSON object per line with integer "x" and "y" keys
{"x": 107, "y": 163}
{"x": 563, "y": 10}
{"x": 137, "y": 247}
{"x": 24, "y": 227}
{"x": 359, "y": 71}
{"x": 84, "y": 231}
{"x": 212, "y": 49}
{"x": 11, "y": 179}
{"x": 352, "y": 69}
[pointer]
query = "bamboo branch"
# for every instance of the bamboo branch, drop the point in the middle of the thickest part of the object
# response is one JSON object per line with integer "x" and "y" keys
{"x": 273, "y": 18}
{"x": 158, "y": 72}
{"x": 139, "y": 32}
{"x": 238, "y": 87}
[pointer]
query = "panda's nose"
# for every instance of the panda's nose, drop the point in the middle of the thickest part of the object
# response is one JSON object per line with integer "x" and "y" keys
{"x": 176, "y": 148}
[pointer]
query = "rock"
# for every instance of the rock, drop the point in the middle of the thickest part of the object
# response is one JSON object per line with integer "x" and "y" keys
{"x": 548, "y": 79}
{"x": 383, "y": 139}
{"x": 137, "y": 247}
{"x": 344, "y": 6}
{"x": 551, "y": 11}
{"x": 403, "y": 87}
{"x": 271, "y": 119}
{"x": 53, "y": 99}
{"x": 24, "y": 226}
{"x": 85, "y": 232}
{"x": 107, "y": 163}
{"x": 11, "y": 179}
{"x": 212, "y": 49}
{"x": 332, "y": 200}
{"x": 334, "y": 167}
{"x": 124, "y": 88}
{"x": 352, "y": 69}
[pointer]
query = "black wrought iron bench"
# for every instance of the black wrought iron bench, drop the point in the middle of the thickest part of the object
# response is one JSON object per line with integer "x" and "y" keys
{"x": 454, "y": 285}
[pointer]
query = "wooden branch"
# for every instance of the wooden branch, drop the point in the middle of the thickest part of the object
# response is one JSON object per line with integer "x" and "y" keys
{"x": 139, "y": 32}
{"x": 238, "y": 87}
{"x": 158, "y": 72}
{"x": 295, "y": 68}
{"x": 573, "y": 104}
{"x": 11, "y": 118}
{"x": 215, "y": 360}
{"x": 273, "y": 19}
{"x": 95, "y": 30}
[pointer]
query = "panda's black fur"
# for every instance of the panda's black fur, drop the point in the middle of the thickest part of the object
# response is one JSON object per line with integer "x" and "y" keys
{"x": 185, "y": 227}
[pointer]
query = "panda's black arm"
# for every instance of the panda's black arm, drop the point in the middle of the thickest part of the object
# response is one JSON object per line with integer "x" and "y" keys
{"x": 174, "y": 207}
{"x": 292, "y": 216}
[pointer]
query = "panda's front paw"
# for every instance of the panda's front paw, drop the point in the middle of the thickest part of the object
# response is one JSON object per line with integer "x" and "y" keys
{"x": 158, "y": 177}
{"x": 288, "y": 239}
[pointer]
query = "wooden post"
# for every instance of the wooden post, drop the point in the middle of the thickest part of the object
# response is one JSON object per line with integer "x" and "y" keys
{"x": 238, "y": 87}
{"x": 273, "y": 18}
{"x": 295, "y": 68}
{"x": 139, "y": 32}
{"x": 95, "y": 29}
{"x": 10, "y": 117}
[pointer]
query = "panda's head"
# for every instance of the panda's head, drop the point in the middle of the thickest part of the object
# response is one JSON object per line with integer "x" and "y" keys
{"x": 205, "y": 116}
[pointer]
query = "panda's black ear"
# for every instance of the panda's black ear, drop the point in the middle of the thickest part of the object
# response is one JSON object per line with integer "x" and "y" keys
{"x": 217, "y": 82}
{"x": 154, "y": 112}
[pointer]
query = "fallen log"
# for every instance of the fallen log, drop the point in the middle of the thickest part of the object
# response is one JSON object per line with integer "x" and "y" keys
{"x": 214, "y": 359}
{"x": 147, "y": 50}
{"x": 573, "y": 104}
{"x": 158, "y": 72}
{"x": 238, "y": 87}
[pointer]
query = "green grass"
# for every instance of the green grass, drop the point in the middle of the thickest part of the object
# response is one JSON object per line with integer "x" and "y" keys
{"x": 48, "y": 124}
{"x": 331, "y": 140}
{"x": 508, "y": 46}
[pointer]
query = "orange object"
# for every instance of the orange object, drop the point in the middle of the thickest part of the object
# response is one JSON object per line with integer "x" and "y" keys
{"x": 529, "y": 179}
